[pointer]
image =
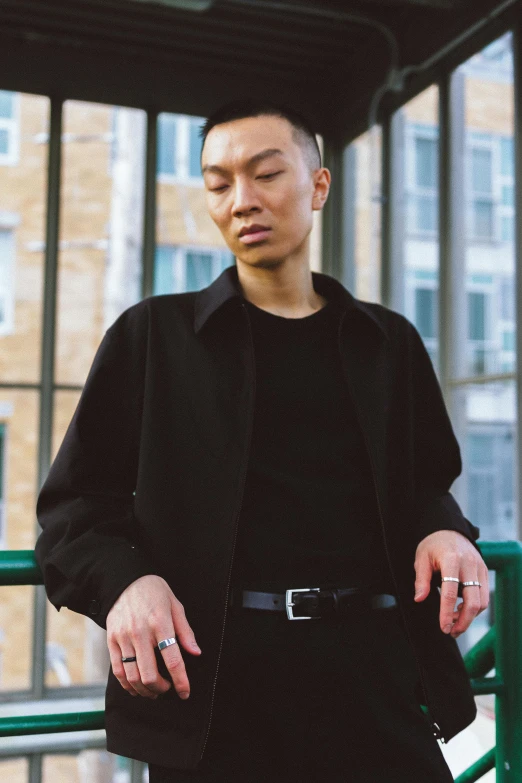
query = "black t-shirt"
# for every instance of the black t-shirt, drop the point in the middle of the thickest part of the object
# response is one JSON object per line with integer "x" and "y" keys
{"x": 309, "y": 514}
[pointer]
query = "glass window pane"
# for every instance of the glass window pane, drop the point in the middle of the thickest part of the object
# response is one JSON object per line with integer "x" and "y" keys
{"x": 88, "y": 766}
{"x": 427, "y": 217}
{"x": 507, "y": 156}
{"x": 22, "y": 243}
{"x": 199, "y": 270}
{"x": 100, "y": 228}
{"x": 481, "y": 171}
{"x": 418, "y": 143}
{"x": 367, "y": 219}
{"x": 195, "y": 148}
{"x": 4, "y": 141}
{"x": 167, "y": 136}
{"x": 483, "y": 220}
{"x": 19, "y": 426}
{"x": 6, "y": 104}
{"x": 163, "y": 271}
{"x": 488, "y": 113}
{"x": 477, "y": 316}
{"x": 189, "y": 242}
{"x": 426, "y": 153}
{"x": 426, "y": 312}
{"x": 14, "y": 770}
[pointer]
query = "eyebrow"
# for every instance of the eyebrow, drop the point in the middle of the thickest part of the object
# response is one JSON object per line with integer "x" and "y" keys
{"x": 268, "y": 153}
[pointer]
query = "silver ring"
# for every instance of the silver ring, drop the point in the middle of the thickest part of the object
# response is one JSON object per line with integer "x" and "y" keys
{"x": 166, "y": 643}
{"x": 450, "y": 579}
{"x": 469, "y": 584}
{"x": 129, "y": 659}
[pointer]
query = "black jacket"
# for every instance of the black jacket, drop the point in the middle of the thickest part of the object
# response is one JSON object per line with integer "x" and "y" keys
{"x": 150, "y": 475}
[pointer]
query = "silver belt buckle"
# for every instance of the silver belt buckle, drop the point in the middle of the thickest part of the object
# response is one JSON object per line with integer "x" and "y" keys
{"x": 290, "y": 603}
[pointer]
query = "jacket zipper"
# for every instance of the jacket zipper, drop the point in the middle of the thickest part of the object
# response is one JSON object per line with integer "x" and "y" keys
{"x": 434, "y": 725}
{"x": 238, "y": 515}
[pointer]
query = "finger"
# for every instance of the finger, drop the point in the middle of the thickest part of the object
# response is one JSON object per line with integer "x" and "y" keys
{"x": 118, "y": 667}
{"x": 149, "y": 681}
{"x": 448, "y": 596}
{"x": 471, "y": 601}
{"x": 176, "y": 667}
{"x": 184, "y": 633}
{"x": 424, "y": 573}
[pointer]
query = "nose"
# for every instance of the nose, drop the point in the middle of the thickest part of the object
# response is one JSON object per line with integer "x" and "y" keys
{"x": 246, "y": 199}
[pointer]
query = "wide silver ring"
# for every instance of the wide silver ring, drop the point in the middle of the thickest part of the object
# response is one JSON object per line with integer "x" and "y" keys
{"x": 450, "y": 579}
{"x": 166, "y": 643}
{"x": 469, "y": 584}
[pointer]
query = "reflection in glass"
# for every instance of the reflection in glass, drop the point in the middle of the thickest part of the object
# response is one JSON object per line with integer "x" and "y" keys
{"x": 100, "y": 228}
{"x": 489, "y": 188}
{"x": 24, "y": 126}
{"x": 418, "y": 131}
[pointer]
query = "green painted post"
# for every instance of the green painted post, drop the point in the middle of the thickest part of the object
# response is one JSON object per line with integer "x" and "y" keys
{"x": 506, "y": 559}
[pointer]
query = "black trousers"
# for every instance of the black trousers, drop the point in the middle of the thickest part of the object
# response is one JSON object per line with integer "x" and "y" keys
{"x": 309, "y": 701}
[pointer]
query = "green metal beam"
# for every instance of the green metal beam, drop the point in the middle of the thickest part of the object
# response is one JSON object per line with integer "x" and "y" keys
{"x": 51, "y": 724}
{"x": 479, "y": 768}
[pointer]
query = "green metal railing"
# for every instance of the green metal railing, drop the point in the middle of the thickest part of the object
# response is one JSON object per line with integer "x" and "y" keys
{"x": 500, "y": 648}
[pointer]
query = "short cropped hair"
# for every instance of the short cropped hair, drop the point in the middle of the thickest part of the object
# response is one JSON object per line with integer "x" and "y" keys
{"x": 302, "y": 132}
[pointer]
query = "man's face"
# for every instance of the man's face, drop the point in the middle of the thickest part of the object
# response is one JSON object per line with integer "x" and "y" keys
{"x": 256, "y": 175}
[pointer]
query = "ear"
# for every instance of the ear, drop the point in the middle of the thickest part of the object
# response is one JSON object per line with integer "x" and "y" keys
{"x": 322, "y": 180}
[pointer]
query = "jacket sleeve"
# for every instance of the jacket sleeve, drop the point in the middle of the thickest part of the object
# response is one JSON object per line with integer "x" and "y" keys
{"x": 86, "y": 550}
{"x": 436, "y": 452}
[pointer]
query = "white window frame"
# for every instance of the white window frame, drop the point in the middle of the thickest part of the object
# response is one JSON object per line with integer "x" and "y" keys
{"x": 182, "y": 154}
{"x": 7, "y": 284}
{"x": 413, "y": 132}
{"x": 12, "y": 125}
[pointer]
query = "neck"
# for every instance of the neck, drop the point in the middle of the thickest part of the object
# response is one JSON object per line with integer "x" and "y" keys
{"x": 283, "y": 288}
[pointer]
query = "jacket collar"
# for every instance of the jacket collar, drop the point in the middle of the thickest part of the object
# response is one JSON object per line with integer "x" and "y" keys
{"x": 227, "y": 287}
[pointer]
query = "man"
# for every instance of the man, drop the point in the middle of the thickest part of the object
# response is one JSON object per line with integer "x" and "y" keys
{"x": 265, "y": 450}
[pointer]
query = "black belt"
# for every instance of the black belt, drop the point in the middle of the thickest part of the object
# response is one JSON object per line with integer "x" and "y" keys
{"x": 311, "y": 603}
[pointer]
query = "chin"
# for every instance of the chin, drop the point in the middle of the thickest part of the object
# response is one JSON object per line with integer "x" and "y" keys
{"x": 261, "y": 263}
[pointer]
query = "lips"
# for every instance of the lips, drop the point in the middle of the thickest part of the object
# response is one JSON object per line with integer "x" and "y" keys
{"x": 253, "y": 229}
{"x": 249, "y": 235}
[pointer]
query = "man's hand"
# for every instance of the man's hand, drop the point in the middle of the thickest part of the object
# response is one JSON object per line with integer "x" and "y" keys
{"x": 146, "y": 612}
{"x": 453, "y": 555}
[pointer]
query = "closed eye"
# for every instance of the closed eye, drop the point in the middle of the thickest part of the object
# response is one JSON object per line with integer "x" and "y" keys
{"x": 267, "y": 176}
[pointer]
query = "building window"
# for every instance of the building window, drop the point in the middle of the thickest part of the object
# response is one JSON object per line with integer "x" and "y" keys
{"x": 9, "y": 128}
{"x": 490, "y": 476}
{"x": 422, "y": 307}
{"x": 6, "y": 281}
{"x": 491, "y": 187}
{"x": 422, "y": 178}
{"x": 3, "y": 461}
{"x": 179, "y": 269}
{"x": 179, "y": 147}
